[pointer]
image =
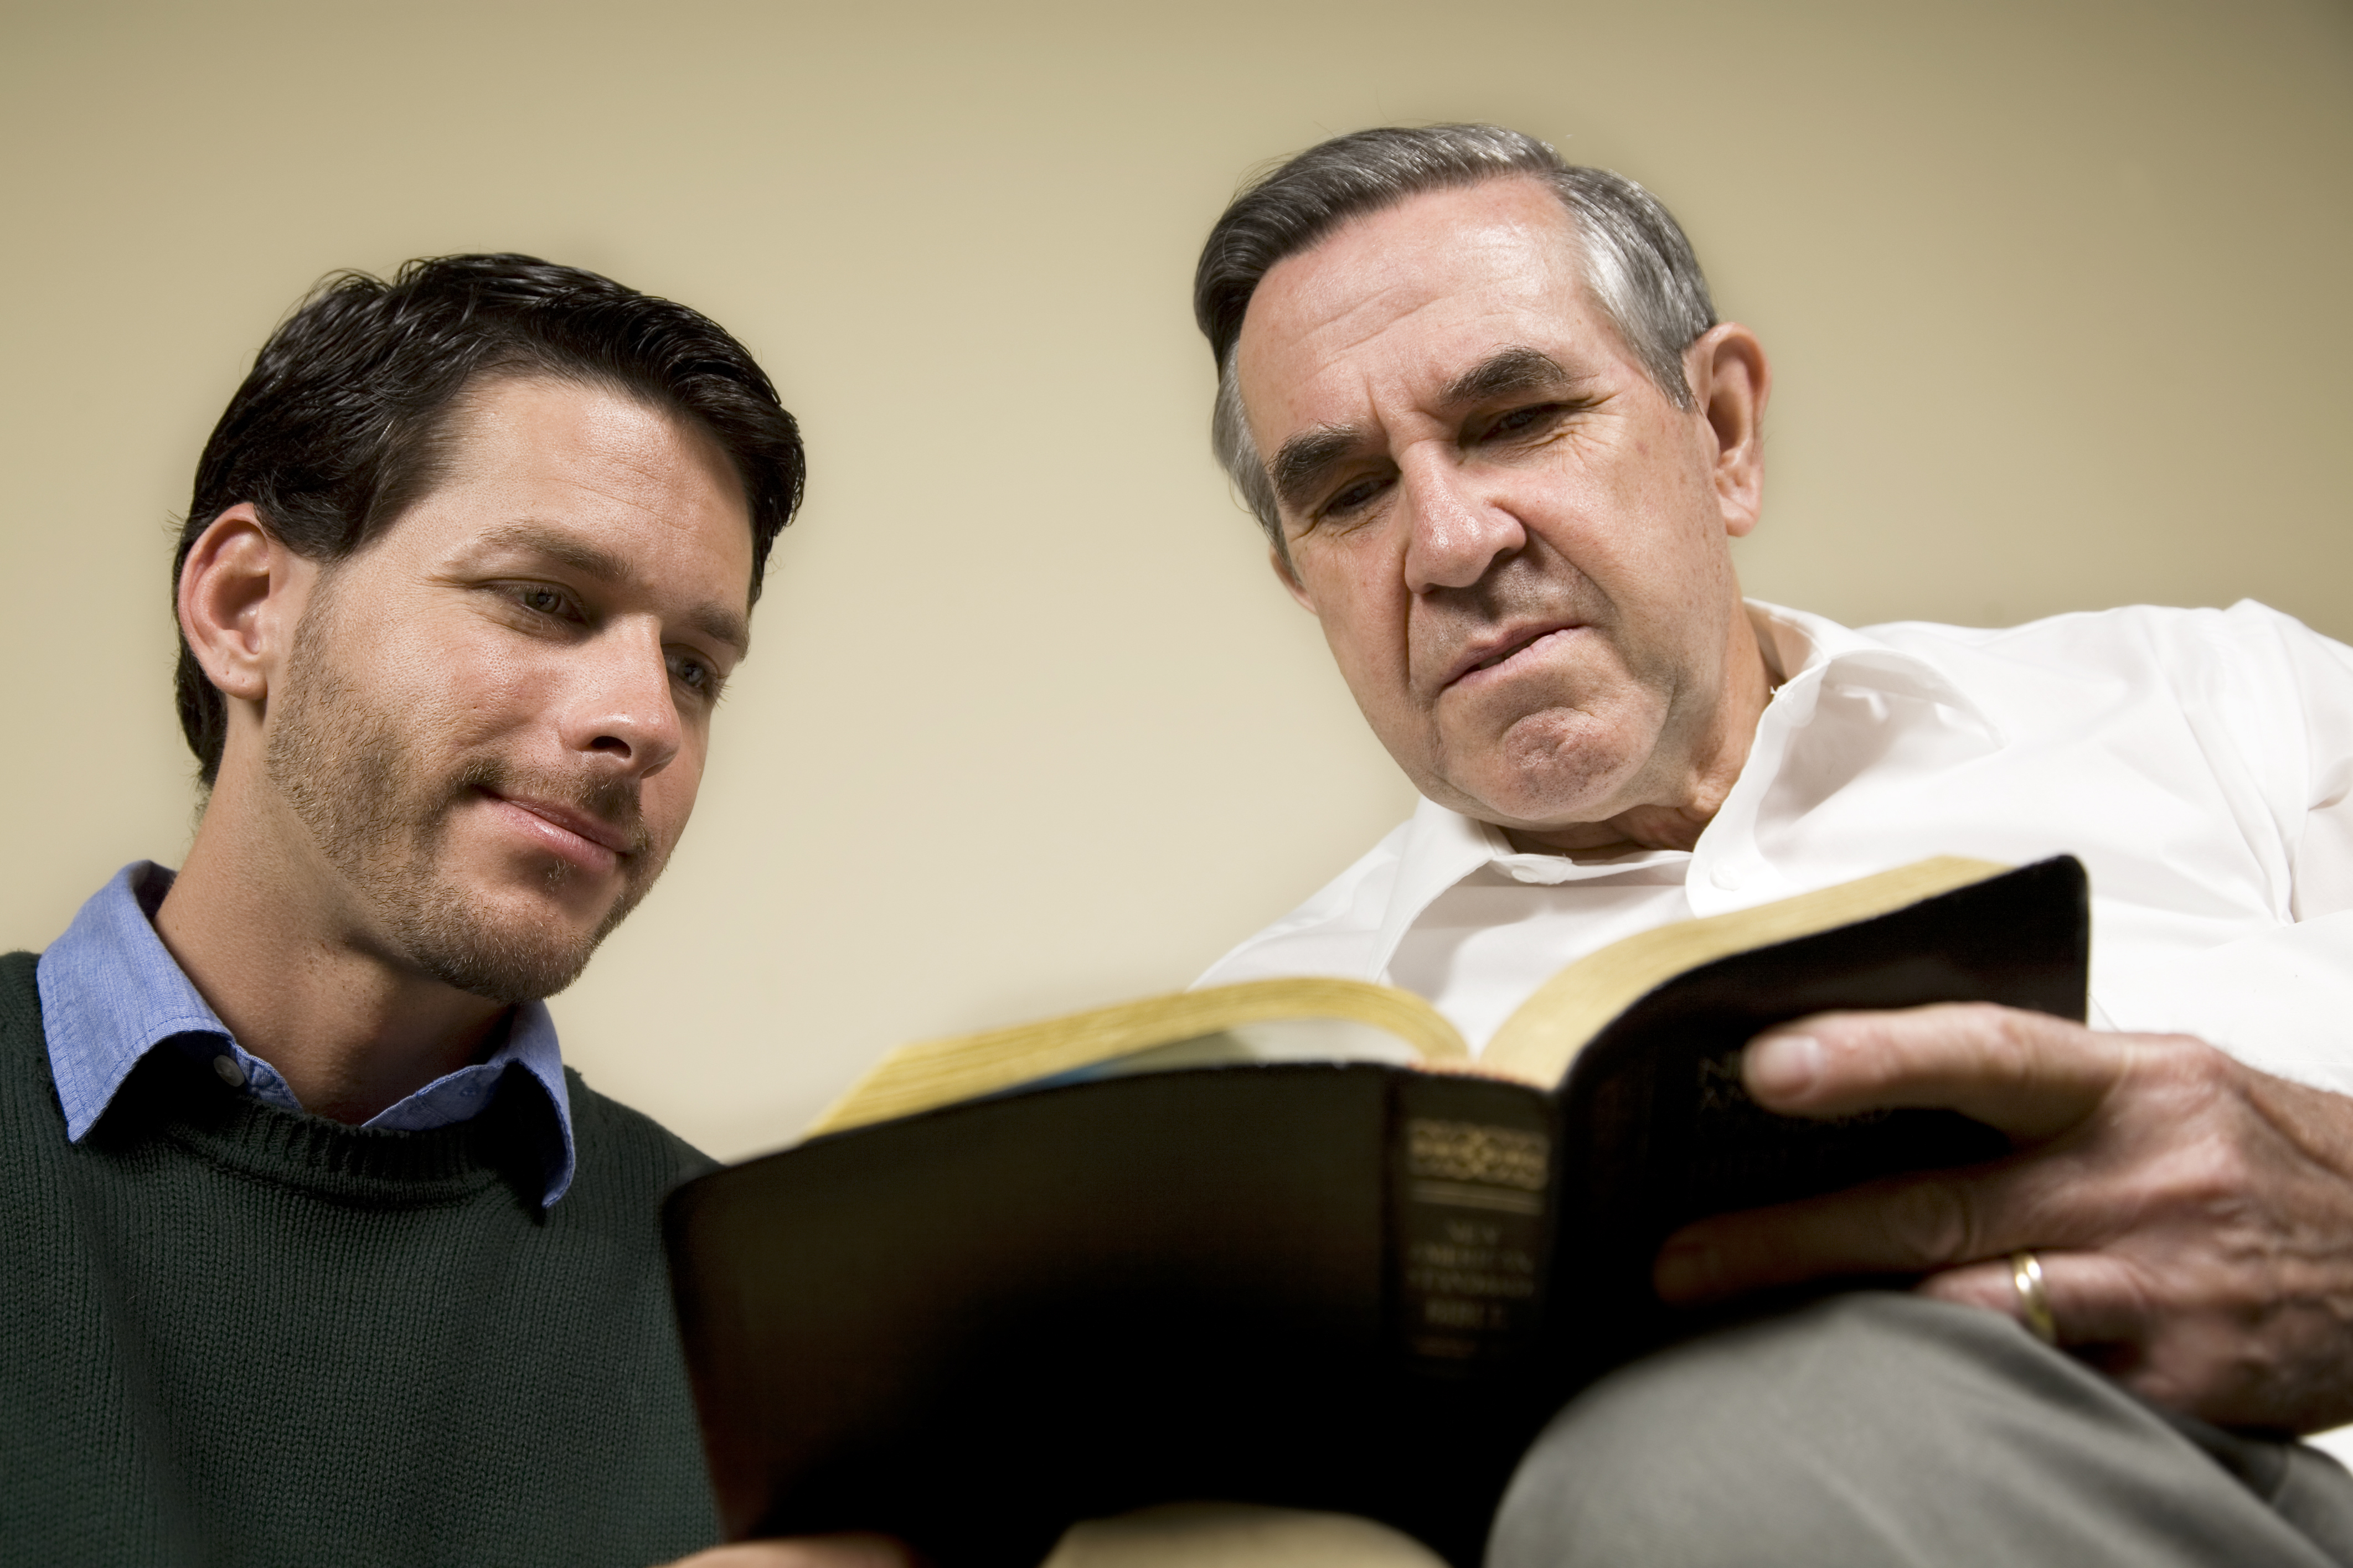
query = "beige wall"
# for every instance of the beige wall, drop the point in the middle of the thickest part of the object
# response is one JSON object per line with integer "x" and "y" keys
{"x": 2056, "y": 293}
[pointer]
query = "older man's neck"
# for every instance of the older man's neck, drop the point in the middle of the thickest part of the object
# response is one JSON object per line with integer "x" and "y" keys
{"x": 1684, "y": 807}
{"x": 1645, "y": 827}
{"x": 353, "y": 1032}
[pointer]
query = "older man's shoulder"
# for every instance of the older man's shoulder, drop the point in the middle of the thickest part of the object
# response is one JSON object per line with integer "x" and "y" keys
{"x": 1330, "y": 933}
{"x": 2125, "y": 635}
{"x": 2248, "y": 680}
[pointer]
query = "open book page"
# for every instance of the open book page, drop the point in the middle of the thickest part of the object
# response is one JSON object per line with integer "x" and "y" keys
{"x": 1542, "y": 1037}
{"x": 1313, "y": 1018}
{"x": 1319, "y": 1018}
{"x": 1272, "y": 1040}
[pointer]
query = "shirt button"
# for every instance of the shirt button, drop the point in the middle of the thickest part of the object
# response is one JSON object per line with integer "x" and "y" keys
{"x": 1725, "y": 876}
{"x": 230, "y": 1073}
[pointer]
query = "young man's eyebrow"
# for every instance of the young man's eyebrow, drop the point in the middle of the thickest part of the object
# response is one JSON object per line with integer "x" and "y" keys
{"x": 563, "y": 548}
{"x": 592, "y": 560}
{"x": 723, "y": 627}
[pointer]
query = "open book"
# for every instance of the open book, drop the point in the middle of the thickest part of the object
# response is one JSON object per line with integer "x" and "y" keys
{"x": 1284, "y": 1242}
{"x": 1318, "y": 1018}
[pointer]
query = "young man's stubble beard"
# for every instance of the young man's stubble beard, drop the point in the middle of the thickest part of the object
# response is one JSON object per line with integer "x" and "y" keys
{"x": 345, "y": 762}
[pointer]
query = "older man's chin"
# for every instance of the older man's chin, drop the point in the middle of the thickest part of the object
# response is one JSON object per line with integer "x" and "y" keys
{"x": 1549, "y": 800}
{"x": 1550, "y": 767}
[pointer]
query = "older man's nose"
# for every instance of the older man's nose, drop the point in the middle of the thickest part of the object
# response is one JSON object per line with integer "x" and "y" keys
{"x": 1458, "y": 534}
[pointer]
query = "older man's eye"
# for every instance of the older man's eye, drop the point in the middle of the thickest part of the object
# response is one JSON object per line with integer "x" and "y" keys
{"x": 1353, "y": 497}
{"x": 1528, "y": 421}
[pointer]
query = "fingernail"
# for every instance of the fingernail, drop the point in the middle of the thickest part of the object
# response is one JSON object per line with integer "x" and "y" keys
{"x": 1685, "y": 1269}
{"x": 1783, "y": 1067}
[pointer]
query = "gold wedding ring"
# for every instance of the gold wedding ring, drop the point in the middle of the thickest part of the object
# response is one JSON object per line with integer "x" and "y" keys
{"x": 2033, "y": 1300}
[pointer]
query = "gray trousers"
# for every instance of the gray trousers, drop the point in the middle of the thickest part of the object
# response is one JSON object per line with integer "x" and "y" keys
{"x": 1884, "y": 1429}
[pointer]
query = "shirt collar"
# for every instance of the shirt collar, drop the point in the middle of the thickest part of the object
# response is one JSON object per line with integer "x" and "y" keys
{"x": 110, "y": 992}
{"x": 1806, "y": 651}
{"x": 1810, "y": 651}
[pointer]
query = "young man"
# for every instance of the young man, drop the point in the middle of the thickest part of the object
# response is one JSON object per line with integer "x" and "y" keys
{"x": 318, "y": 1253}
{"x": 1500, "y": 444}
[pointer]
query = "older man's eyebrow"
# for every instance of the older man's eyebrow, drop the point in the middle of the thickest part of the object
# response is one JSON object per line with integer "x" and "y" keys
{"x": 1302, "y": 463}
{"x": 1506, "y": 373}
{"x": 590, "y": 559}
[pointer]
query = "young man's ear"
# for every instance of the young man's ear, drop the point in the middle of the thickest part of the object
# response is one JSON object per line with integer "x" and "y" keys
{"x": 241, "y": 594}
{"x": 1731, "y": 381}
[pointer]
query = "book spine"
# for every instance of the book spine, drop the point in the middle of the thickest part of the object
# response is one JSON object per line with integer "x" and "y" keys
{"x": 1470, "y": 1218}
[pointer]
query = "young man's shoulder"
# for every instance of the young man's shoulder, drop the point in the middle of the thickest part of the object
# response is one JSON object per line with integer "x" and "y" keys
{"x": 21, "y": 1036}
{"x": 17, "y": 989}
{"x": 620, "y": 1143}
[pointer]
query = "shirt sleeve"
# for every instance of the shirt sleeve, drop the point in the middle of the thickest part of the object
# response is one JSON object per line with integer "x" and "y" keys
{"x": 2322, "y": 671}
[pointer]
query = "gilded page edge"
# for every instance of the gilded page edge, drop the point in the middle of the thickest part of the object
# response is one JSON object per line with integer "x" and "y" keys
{"x": 1543, "y": 1035}
{"x": 930, "y": 1073}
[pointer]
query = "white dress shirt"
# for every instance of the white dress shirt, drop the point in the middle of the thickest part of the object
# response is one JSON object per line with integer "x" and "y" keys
{"x": 2200, "y": 763}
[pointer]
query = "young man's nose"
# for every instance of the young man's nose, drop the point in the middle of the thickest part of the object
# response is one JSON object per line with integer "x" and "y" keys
{"x": 621, "y": 705}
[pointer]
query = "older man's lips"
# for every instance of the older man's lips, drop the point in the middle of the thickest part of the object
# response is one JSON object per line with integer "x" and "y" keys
{"x": 1495, "y": 658}
{"x": 571, "y": 836}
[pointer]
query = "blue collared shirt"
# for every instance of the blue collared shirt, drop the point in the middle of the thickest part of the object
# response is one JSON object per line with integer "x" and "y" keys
{"x": 110, "y": 993}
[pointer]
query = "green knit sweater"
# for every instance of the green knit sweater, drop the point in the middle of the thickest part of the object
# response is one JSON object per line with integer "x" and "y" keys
{"x": 238, "y": 1335}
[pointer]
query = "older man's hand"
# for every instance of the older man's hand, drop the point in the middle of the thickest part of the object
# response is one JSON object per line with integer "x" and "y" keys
{"x": 2193, "y": 1216}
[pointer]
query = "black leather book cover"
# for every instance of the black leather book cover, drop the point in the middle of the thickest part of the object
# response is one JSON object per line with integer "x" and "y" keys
{"x": 1347, "y": 1287}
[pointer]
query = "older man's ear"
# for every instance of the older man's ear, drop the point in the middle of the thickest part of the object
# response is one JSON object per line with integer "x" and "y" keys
{"x": 1730, "y": 382}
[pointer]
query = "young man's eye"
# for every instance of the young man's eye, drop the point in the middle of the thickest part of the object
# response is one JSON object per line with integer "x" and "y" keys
{"x": 542, "y": 600}
{"x": 693, "y": 674}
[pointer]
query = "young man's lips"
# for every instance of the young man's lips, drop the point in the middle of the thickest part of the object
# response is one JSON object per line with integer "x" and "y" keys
{"x": 1488, "y": 655}
{"x": 575, "y": 836}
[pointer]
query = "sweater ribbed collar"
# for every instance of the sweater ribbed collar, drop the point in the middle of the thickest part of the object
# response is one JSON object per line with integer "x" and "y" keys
{"x": 111, "y": 995}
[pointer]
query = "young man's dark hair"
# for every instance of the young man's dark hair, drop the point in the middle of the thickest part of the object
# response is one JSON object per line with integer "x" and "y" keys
{"x": 342, "y": 423}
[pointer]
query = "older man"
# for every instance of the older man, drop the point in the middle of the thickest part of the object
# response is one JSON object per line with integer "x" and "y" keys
{"x": 1500, "y": 445}
{"x": 316, "y": 1252}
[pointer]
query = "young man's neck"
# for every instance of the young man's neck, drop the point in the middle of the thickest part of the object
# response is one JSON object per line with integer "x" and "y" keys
{"x": 258, "y": 929}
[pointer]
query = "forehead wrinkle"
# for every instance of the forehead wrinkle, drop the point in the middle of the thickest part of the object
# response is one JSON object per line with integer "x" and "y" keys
{"x": 1359, "y": 322}
{"x": 1344, "y": 315}
{"x": 646, "y": 476}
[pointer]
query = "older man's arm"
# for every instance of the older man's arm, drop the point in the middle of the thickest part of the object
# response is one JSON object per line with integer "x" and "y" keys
{"x": 2194, "y": 1217}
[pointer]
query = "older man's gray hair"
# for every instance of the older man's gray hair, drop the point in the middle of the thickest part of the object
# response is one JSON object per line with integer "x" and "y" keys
{"x": 1638, "y": 266}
